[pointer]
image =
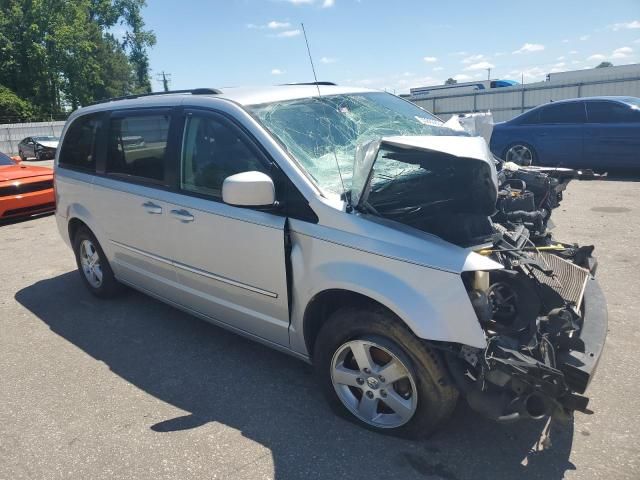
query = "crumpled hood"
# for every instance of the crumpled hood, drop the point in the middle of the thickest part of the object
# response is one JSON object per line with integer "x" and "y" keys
{"x": 49, "y": 143}
{"x": 473, "y": 150}
{"x": 16, "y": 172}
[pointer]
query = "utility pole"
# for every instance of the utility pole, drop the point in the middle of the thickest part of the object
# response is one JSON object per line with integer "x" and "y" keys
{"x": 488, "y": 73}
{"x": 165, "y": 78}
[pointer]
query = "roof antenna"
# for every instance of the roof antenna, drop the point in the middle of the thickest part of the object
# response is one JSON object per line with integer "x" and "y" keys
{"x": 315, "y": 78}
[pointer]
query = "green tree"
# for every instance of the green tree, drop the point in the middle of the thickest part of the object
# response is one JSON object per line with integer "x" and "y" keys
{"x": 60, "y": 53}
{"x": 13, "y": 108}
{"x": 604, "y": 65}
{"x": 451, "y": 81}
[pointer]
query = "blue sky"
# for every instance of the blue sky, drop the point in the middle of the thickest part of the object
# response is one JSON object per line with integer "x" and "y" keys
{"x": 390, "y": 45}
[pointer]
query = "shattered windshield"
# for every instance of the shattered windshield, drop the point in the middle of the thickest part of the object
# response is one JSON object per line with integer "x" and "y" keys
{"x": 321, "y": 132}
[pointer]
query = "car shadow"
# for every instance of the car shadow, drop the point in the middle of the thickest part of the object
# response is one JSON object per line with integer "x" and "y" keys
{"x": 13, "y": 221}
{"x": 272, "y": 399}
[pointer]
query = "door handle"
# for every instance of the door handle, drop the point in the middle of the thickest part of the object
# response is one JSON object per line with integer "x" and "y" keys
{"x": 152, "y": 208}
{"x": 182, "y": 215}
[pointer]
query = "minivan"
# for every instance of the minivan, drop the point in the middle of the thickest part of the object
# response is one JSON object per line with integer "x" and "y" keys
{"x": 346, "y": 227}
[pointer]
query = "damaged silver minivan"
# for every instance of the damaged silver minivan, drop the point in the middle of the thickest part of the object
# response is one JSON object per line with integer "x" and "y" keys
{"x": 346, "y": 227}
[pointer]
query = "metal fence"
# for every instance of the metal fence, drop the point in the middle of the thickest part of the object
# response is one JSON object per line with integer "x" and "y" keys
{"x": 12, "y": 133}
{"x": 508, "y": 102}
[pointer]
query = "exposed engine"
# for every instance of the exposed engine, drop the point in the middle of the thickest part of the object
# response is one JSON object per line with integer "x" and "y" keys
{"x": 532, "y": 311}
{"x": 541, "y": 350}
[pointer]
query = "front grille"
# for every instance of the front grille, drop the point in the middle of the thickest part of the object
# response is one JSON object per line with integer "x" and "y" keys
{"x": 44, "y": 207}
{"x": 20, "y": 188}
{"x": 568, "y": 279}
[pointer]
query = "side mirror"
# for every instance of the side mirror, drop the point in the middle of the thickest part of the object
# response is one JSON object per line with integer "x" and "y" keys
{"x": 249, "y": 189}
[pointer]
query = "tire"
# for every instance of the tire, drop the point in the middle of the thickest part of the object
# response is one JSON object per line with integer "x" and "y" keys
{"x": 521, "y": 153}
{"x": 101, "y": 282}
{"x": 21, "y": 155}
{"x": 423, "y": 391}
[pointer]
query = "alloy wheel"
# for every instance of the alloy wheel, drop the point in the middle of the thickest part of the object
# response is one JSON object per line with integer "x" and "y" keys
{"x": 374, "y": 384}
{"x": 90, "y": 262}
{"x": 520, "y": 154}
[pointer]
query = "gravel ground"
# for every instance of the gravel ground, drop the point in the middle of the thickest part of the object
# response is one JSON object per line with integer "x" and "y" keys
{"x": 132, "y": 388}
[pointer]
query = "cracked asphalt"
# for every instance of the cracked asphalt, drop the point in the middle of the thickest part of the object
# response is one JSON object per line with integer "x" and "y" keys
{"x": 132, "y": 388}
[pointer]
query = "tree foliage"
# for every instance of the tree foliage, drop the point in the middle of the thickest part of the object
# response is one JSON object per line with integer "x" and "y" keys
{"x": 451, "y": 81}
{"x": 61, "y": 54}
{"x": 13, "y": 108}
{"x": 604, "y": 65}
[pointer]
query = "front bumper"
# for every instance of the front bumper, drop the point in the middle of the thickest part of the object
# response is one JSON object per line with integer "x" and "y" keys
{"x": 579, "y": 367}
{"x": 27, "y": 204}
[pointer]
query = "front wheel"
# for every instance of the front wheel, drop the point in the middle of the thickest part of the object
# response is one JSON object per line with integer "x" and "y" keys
{"x": 375, "y": 372}
{"x": 520, "y": 153}
{"x": 21, "y": 155}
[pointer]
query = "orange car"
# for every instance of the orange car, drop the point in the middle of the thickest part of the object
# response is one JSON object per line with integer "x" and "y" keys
{"x": 24, "y": 190}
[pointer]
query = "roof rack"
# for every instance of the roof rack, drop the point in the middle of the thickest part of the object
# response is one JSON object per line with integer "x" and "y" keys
{"x": 193, "y": 91}
{"x": 312, "y": 83}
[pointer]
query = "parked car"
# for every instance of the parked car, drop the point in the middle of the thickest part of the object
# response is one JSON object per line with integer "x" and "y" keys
{"x": 350, "y": 230}
{"x": 24, "y": 190}
{"x": 40, "y": 148}
{"x": 599, "y": 133}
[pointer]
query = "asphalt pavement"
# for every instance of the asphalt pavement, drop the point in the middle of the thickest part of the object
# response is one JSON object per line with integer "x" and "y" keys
{"x": 132, "y": 388}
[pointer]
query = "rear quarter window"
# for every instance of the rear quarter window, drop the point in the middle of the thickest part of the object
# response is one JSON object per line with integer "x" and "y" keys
{"x": 137, "y": 146}
{"x": 79, "y": 143}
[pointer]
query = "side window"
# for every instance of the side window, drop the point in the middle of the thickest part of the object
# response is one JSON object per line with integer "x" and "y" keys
{"x": 78, "y": 147}
{"x": 529, "y": 118}
{"x": 563, "y": 113}
{"x": 611, "y": 112}
{"x": 212, "y": 150}
{"x": 137, "y": 146}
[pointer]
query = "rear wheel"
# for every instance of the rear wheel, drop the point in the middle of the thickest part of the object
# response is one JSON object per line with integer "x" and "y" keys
{"x": 520, "y": 153}
{"x": 93, "y": 265}
{"x": 376, "y": 373}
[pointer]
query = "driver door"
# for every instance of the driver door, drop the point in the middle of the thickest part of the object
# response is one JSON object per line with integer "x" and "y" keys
{"x": 229, "y": 261}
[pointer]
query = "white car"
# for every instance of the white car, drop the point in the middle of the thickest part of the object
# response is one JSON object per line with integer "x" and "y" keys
{"x": 348, "y": 228}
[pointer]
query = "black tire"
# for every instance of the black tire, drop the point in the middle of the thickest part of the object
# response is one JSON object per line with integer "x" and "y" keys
{"x": 534, "y": 155}
{"x": 21, "y": 155}
{"x": 109, "y": 287}
{"x": 436, "y": 395}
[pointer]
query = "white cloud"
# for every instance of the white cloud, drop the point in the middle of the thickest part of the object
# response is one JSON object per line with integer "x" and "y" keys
{"x": 430, "y": 59}
{"x": 328, "y": 3}
{"x": 437, "y": 69}
{"x": 566, "y": 40}
{"x": 474, "y": 58}
{"x": 273, "y": 24}
{"x": 327, "y": 60}
{"x": 530, "y": 47}
{"x": 277, "y": 71}
{"x": 459, "y": 54}
{"x": 637, "y": 40}
{"x": 462, "y": 77}
{"x": 576, "y": 62}
{"x": 626, "y": 25}
{"x": 532, "y": 74}
{"x": 573, "y": 52}
{"x": 622, "y": 52}
{"x": 499, "y": 54}
{"x": 300, "y": 2}
{"x": 596, "y": 57}
{"x": 560, "y": 58}
{"x": 480, "y": 66}
{"x": 584, "y": 37}
{"x": 288, "y": 33}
